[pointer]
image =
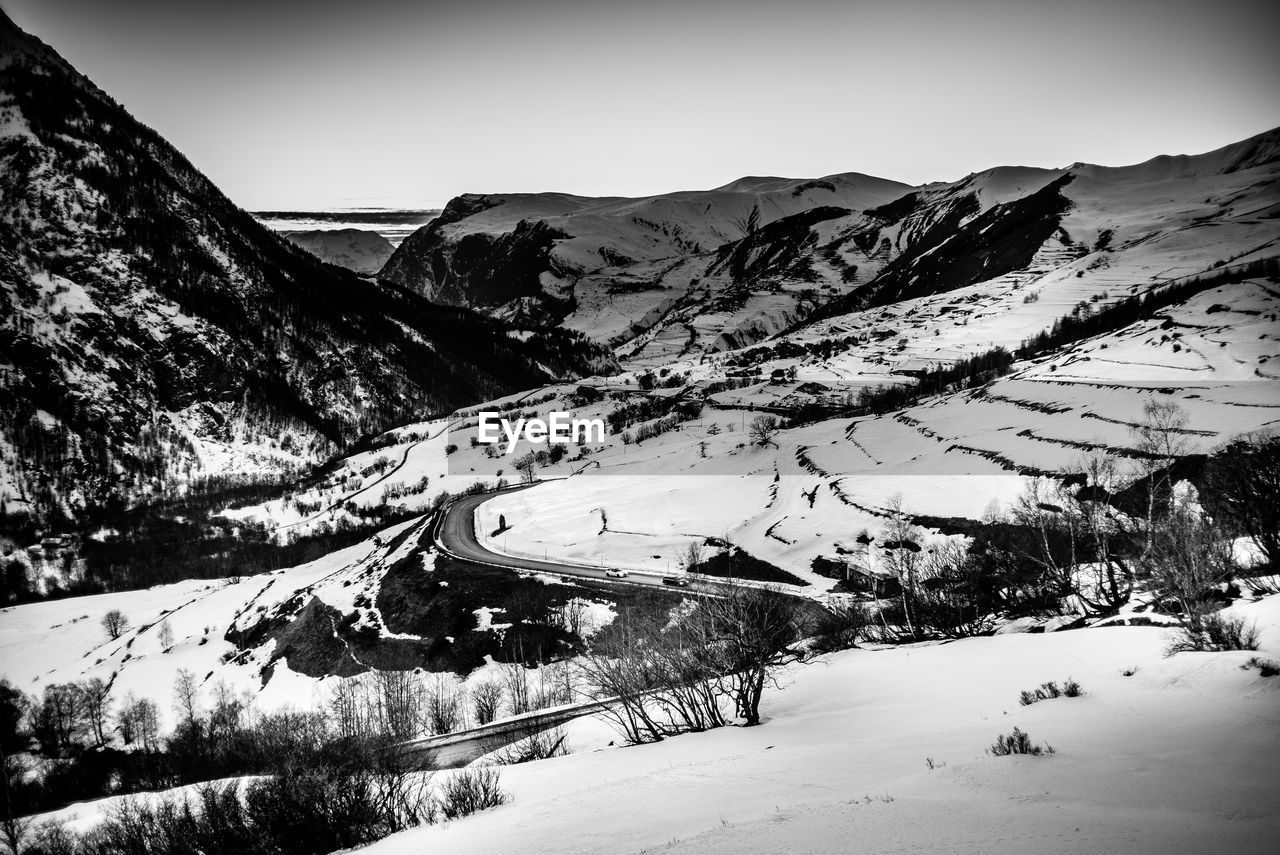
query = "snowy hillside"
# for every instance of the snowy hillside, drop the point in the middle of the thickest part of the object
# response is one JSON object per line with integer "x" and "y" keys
{"x": 689, "y": 273}
{"x": 358, "y": 250}
{"x": 154, "y": 334}
{"x": 806, "y": 495}
{"x": 887, "y": 746}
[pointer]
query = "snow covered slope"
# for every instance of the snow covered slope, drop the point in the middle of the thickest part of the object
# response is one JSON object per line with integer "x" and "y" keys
{"x": 883, "y": 751}
{"x": 809, "y": 493}
{"x": 281, "y": 639}
{"x": 358, "y": 250}
{"x": 702, "y": 271}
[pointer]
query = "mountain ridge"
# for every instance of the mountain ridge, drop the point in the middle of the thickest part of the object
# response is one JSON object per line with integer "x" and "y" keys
{"x": 645, "y": 275}
{"x": 155, "y": 333}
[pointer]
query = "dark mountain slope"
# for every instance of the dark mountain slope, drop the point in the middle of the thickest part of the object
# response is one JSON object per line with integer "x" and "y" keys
{"x": 153, "y": 332}
{"x": 962, "y": 247}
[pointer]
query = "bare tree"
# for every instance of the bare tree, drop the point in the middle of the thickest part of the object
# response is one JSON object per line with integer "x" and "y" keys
{"x": 126, "y": 721}
{"x": 1161, "y": 438}
{"x": 751, "y": 635}
{"x": 691, "y": 557}
{"x": 14, "y": 828}
{"x": 527, "y": 467}
{"x": 96, "y": 697}
{"x": 1054, "y": 548}
{"x": 166, "y": 636}
{"x": 1080, "y": 539}
{"x": 692, "y": 671}
{"x": 115, "y": 623}
{"x": 659, "y": 681}
{"x": 139, "y": 722}
{"x": 226, "y": 717}
{"x": 1106, "y": 535}
{"x": 147, "y": 715}
{"x": 1243, "y": 490}
{"x": 1188, "y": 558}
{"x": 60, "y": 719}
{"x": 901, "y": 541}
{"x": 554, "y": 685}
{"x": 572, "y": 616}
{"x": 515, "y": 679}
{"x": 400, "y": 703}
{"x": 351, "y": 709}
{"x": 444, "y": 705}
{"x": 763, "y": 429}
{"x": 486, "y": 701}
{"x": 186, "y": 703}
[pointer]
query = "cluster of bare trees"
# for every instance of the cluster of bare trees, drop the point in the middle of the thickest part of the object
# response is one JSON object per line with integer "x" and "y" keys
{"x": 918, "y": 590}
{"x": 403, "y": 705}
{"x": 1085, "y": 543}
{"x": 709, "y": 664}
{"x": 1099, "y": 540}
{"x": 72, "y": 715}
{"x": 217, "y": 733}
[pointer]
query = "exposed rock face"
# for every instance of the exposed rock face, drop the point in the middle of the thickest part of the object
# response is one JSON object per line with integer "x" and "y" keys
{"x": 358, "y": 250}
{"x": 152, "y": 332}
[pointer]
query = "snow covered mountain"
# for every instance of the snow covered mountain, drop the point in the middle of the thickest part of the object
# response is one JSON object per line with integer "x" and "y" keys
{"x": 153, "y": 332}
{"x": 358, "y": 250}
{"x": 663, "y": 277}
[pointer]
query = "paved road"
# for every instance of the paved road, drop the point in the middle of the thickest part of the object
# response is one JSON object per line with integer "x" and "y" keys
{"x": 455, "y": 534}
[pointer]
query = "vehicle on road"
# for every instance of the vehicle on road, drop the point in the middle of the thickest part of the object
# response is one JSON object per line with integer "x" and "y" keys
{"x": 675, "y": 581}
{"x": 616, "y": 574}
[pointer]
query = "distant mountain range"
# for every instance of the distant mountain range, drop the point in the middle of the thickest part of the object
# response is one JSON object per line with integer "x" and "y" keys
{"x": 394, "y": 224}
{"x": 357, "y": 250}
{"x": 685, "y": 273}
{"x": 154, "y": 334}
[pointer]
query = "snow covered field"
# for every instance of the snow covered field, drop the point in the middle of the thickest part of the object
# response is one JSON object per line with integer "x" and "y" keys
{"x": 1179, "y": 757}
{"x": 1159, "y": 755}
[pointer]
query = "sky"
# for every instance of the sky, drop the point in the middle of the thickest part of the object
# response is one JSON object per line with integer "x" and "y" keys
{"x": 311, "y": 105}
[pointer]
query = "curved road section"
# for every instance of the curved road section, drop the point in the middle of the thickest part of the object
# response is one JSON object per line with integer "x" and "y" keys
{"x": 455, "y": 535}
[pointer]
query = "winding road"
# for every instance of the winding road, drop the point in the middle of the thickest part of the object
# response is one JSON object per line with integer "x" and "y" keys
{"x": 454, "y": 534}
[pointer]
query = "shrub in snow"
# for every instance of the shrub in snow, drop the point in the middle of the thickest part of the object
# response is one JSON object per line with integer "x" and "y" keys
{"x": 1047, "y": 691}
{"x": 1017, "y": 743}
{"x": 1215, "y": 631}
{"x": 1230, "y": 633}
{"x": 468, "y": 791}
{"x": 296, "y": 813}
{"x": 840, "y": 627}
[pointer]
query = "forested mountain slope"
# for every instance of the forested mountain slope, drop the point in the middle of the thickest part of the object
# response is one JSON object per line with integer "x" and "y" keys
{"x": 153, "y": 333}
